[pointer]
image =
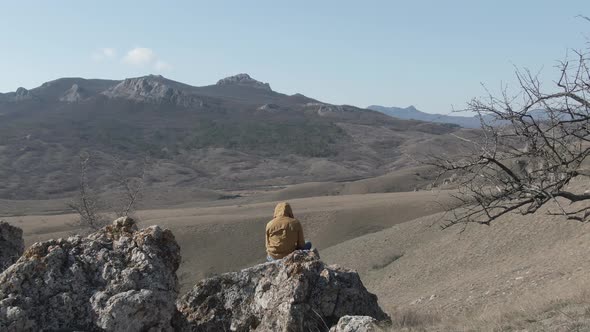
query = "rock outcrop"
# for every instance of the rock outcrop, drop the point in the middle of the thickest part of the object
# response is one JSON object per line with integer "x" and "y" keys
{"x": 154, "y": 89}
{"x": 298, "y": 293}
{"x": 117, "y": 279}
{"x": 21, "y": 94}
{"x": 73, "y": 94}
{"x": 12, "y": 244}
{"x": 269, "y": 108}
{"x": 357, "y": 324}
{"x": 244, "y": 80}
{"x": 124, "y": 279}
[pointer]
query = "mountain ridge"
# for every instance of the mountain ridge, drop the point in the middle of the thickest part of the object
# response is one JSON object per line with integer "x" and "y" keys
{"x": 216, "y": 137}
{"x": 241, "y": 87}
{"x": 411, "y": 113}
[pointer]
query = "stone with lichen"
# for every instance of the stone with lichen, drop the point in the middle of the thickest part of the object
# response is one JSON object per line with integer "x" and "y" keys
{"x": 117, "y": 279}
{"x": 298, "y": 293}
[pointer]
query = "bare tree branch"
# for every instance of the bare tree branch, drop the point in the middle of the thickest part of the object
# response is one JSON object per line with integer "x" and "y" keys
{"x": 88, "y": 204}
{"x": 130, "y": 184}
{"x": 530, "y": 147}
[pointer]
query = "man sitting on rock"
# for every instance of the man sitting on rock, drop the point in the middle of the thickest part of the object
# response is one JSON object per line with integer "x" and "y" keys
{"x": 284, "y": 234}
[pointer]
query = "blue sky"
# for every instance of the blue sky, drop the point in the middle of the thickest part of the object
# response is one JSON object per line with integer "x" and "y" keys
{"x": 431, "y": 54}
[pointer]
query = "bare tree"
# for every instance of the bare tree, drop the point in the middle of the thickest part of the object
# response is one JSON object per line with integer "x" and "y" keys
{"x": 87, "y": 204}
{"x": 131, "y": 186}
{"x": 95, "y": 212}
{"x": 530, "y": 148}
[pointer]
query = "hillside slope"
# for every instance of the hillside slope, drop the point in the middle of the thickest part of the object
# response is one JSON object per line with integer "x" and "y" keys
{"x": 238, "y": 133}
{"x": 520, "y": 273}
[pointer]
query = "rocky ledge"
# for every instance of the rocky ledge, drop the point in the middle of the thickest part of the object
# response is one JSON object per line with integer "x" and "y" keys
{"x": 299, "y": 293}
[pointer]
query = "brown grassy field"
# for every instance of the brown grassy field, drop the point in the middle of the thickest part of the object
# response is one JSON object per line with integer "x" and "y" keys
{"x": 521, "y": 273}
{"x": 224, "y": 238}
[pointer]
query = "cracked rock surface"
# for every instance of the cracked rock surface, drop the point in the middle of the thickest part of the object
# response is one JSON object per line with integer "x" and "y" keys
{"x": 117, "y": 279}
{"x": 298, "y": 293}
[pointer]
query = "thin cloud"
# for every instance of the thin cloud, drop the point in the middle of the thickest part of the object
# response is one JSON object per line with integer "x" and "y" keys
{"x": 139, "y": 56}
{"x": 144, "y": 57}
{"x": 105, "y": 53}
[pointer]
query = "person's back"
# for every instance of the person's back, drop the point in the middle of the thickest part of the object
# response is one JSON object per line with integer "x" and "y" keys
{"x": 284, "y": 233}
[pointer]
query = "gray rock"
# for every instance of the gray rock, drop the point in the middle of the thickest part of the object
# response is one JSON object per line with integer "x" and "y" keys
{"x": 21, "y": 94}
{"x": 269, "y": 108}
{"x": 73, "y": 94}
{"x": 153, "y": 89}
{"x": 244, "y": 80}
{"x": 356, "y": 324}
{"x": 298, "y": 293}
{"x": 12, "y": 244}
{"x": 117, "y": 279}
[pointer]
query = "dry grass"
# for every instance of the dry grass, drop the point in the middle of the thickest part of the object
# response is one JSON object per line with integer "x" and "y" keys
{"x": 522, "y": 274}
{"x": 206, "y": 233}
{"x": 568, "y": 314}
{"x": 532, "y": 314}
{"x": 409, "y": 319}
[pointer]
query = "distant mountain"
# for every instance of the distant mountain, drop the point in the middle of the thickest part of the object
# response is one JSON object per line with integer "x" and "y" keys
{"x": 235, "y": 134}
{"x": 244, "y": 80}
{"x": 411, "y": 113}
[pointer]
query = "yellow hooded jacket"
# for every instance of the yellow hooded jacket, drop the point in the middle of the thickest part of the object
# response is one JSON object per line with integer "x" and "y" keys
{"x": 284, "y": 233}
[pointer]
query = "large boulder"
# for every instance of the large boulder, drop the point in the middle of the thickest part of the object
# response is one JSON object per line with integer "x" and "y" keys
{"x": 12, "y": 244}
{"x": 117, "y": 279}
{"x": 298, "y": 293}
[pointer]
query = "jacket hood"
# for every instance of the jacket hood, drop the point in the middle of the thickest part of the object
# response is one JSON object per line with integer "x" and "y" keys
{"x": 283, "y": 210}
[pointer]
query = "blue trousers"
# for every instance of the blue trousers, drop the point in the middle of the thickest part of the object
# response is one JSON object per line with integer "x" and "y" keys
{"x": 306, "y": 246}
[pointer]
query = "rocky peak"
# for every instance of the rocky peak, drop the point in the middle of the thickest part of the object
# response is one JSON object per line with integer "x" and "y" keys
{"x": 140, "y": 87}
{"x": 244, "y": 80}
{"x": 22, "y": 94}
{"x": 153, "y": 89}
{"x": 12, "y": 244}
